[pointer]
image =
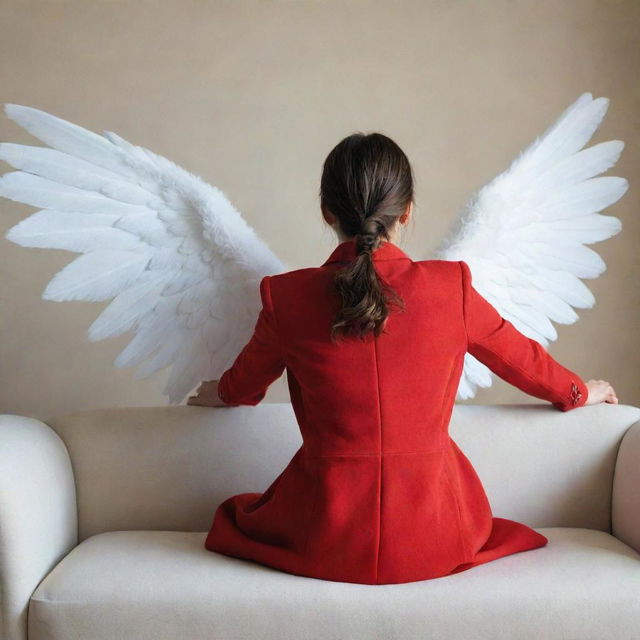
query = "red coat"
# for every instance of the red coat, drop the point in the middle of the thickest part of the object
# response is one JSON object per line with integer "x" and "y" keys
{"x": 378, "y": 492}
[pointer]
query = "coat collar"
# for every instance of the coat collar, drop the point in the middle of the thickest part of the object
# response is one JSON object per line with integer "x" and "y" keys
{"x": 346, "y": 252}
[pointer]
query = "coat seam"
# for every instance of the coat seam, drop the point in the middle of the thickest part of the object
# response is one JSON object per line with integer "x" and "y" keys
{"x": 463, "y": 546}
{"x": 312, "y": 513}
{"x": 276, "y": 324}
{"x": 463, "y": 301}
{"x": 444, "y": 429}
{"x": 375, "y": 355}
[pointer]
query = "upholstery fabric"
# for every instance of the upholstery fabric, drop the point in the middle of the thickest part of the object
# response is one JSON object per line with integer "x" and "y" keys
{"x": 38, "y": 517}
{"x": 161, "y": 585}
{"x": 625, "y": 507}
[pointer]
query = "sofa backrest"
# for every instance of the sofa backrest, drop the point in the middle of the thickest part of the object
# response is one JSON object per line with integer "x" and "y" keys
{"x": 168, "y": 468}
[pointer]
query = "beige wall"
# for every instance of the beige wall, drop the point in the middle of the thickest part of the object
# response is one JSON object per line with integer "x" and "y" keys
{"x": 252, "y": 96}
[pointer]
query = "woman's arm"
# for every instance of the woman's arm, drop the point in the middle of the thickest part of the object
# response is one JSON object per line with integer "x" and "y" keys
{"x": 258, "y": 364}
{"x": 516, "y": 358}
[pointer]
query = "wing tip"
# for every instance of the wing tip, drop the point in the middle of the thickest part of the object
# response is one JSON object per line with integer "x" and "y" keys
{"x": 14, "y": 111}
{"x": 616, "y": 225}
{"x": 585, "y": 96}
{"x": 13, "y": 235}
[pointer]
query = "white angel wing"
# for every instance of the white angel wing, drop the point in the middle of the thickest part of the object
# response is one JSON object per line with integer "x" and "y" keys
{"x": 523, "y": 234}
{"x": 179, "y": 261}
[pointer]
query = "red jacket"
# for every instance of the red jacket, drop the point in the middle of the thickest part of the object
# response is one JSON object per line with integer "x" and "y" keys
{"x": 378, "y": 492}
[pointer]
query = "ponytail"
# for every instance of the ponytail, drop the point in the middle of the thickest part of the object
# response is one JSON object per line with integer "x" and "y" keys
{"x": 367, "y": 183}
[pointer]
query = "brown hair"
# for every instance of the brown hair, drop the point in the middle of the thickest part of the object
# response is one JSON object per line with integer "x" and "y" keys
{"x": 367, "y": 183}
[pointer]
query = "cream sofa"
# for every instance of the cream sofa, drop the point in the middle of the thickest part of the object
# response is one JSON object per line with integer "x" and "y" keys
{"x": 103, "y": 516}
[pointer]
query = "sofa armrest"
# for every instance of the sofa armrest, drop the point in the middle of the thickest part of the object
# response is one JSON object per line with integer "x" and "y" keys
{"x": 38, "y": 514}
{"x": 625, "y": 500}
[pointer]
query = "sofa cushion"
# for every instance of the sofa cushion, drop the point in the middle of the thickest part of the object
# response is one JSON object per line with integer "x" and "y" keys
{"x": 164, "y": 584}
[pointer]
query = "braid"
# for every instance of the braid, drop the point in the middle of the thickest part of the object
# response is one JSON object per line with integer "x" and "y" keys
{"x": 369, "y": 237}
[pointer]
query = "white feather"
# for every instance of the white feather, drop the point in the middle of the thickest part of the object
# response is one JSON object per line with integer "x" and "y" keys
{"x": 127, "y": 307}
{"x": 40, "y": 192}
{"x": 65, "y": 169}
{"x": 98, "y": 275}
{"x": 72, "y": 232}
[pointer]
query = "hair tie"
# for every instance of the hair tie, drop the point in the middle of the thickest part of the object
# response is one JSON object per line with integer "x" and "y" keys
{"x": 366, "y": 241}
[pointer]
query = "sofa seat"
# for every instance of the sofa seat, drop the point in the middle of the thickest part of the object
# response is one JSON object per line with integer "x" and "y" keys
{"x": 160, "y": 585}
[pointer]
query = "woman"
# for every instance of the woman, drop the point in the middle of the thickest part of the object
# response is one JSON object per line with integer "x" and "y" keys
{"x": 373, "y": 345}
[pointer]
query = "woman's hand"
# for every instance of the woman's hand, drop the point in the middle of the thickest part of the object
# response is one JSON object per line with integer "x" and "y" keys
{"x": 600, "y": 391}
{"x": 207, "y": 395}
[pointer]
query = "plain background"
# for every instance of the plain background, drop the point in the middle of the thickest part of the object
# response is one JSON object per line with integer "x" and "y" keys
{"x": 252, "y": 96}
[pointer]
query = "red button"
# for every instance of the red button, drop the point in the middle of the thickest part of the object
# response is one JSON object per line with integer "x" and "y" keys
{"x": 576, "y": 394}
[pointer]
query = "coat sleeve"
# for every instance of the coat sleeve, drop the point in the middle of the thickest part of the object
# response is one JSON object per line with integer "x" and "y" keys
{"x": 259, "y": 363}
{"x": 516, "y": 358}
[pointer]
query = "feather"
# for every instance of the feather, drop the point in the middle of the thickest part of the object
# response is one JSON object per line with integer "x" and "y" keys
{"x": 67, "y": 137}
{"x": 71, "y": 231}
{"x": 40, "y": 192}
{"x": 65, "y": 169}
{"x": 128, "y": 306}
{"x": 98, "y": 275}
